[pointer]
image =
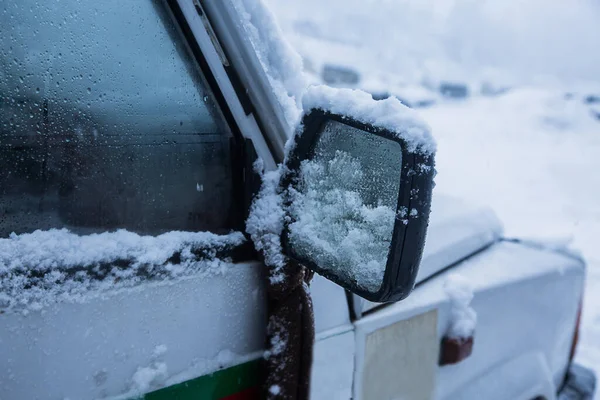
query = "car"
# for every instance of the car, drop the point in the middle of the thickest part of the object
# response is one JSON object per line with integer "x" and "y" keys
{"x": 138, "y": 141}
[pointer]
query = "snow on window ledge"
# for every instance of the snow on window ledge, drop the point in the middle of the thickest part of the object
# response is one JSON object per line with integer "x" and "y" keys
{"x": 43, "y": 267}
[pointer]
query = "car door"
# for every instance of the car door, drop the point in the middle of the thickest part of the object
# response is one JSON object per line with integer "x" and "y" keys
{"x": 123, "y": 190}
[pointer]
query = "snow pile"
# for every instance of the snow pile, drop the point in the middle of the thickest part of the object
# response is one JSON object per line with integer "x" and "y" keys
{"x": 463, "y": 316}
{"x": 265, "y": 222}
{"x": 147, "y": 378}
{"x": 333, "y": 225}
{"x": 44, "y": 266}
{"x": 389, "y": 114}
{"x": 153, "y": 376}
{"x": 280, "y": 61}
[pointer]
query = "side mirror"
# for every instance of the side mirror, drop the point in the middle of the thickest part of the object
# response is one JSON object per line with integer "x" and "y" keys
{"x": 358, "y": 196}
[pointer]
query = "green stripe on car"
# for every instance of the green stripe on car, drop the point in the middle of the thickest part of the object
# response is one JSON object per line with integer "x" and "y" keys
{"x": 236, "y": 382}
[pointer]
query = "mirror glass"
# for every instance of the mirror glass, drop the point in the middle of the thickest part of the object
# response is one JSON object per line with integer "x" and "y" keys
{"x": 344, "y": 205}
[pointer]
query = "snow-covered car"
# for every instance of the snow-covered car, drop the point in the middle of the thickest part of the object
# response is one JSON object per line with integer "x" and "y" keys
{"x": 141, "y": 152}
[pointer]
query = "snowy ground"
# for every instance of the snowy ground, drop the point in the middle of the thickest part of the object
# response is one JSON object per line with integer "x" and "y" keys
{"x": 534, "y": 157}
{"x": 532, "y": 153}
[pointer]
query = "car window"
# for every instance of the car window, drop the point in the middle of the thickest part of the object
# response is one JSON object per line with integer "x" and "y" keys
{"x": 106, "y": 123}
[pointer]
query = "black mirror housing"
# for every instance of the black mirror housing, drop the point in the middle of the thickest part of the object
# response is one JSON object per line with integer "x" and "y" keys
{"x": 414, "y": 190}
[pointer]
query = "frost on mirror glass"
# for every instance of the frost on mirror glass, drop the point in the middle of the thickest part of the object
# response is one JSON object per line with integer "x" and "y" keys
{"x": 344, "y": 206}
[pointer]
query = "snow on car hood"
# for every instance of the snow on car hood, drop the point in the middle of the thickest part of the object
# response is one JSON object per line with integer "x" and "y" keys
{"x": 457, "y": 230}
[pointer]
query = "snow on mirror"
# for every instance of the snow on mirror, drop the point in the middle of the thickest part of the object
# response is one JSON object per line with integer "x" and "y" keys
{"x": 357, "y": 195}
{"x": 345, "y": 204}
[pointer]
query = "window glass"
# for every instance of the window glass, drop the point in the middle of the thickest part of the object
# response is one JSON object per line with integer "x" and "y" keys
{"x": 105, "y": 122}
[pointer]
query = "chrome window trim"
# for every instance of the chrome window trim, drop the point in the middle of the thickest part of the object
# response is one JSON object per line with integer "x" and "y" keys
{"x": 247, "y": 123}
{"x": 242, "y": 56}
